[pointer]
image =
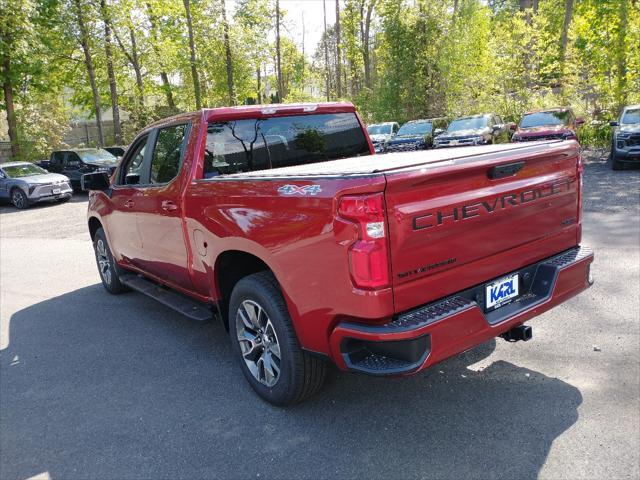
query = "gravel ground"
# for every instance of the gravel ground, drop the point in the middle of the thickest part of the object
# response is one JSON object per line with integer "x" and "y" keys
{"x": 105, "y": 387}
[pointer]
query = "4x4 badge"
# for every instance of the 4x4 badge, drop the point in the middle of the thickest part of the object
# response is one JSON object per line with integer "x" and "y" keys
{"x": 299, "y": 189}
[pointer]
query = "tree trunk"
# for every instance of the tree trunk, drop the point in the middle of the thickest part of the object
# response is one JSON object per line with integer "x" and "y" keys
{"x": 88, "y": 61}
{"x": 113, "y": 87}
{"x": 278, "y": 59}
{"x": 568, "y": 14}
{"x": 621, "y": 57}
{"x": 364, "y": 31}
{"x": 7, "y": 87}
{"x": 338, "y": 56}
{"x": 229, "y": 60}
{"x": 166, "y": 86}
{"x": 326, "y": 51}
{"x": 192, "y": 59}
{"x": 135, "y": 62}
{"x": 304, "y": 58}
{"x": 259, "y": 86}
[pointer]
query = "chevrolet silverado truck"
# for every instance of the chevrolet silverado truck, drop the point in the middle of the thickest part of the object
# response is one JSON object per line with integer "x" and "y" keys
{"x": 278, "y": 220}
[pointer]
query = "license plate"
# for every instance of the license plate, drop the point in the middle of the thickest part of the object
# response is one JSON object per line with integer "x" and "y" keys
{"x": 502, "y": 291}
{"x": 55, "y": 191}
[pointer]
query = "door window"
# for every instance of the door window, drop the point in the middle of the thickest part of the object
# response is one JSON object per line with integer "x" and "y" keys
{"x": 132, "y": 169}
{"x": 72, "y": 161}
{"x": 57, "y": 158}
{"x": 167, "y": 154}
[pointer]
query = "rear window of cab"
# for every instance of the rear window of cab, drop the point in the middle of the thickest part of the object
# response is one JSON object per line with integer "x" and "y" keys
{"x": 262, "y": 144}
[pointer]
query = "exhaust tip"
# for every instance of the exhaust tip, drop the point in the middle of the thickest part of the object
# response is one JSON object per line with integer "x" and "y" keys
{"x": 521, "y": 332}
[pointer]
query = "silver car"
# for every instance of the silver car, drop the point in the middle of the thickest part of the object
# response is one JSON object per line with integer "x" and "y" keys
{"x": 25, "y": 184}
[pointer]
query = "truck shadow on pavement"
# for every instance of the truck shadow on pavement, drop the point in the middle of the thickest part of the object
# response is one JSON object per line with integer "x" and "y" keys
{"x": 99, "y": 386}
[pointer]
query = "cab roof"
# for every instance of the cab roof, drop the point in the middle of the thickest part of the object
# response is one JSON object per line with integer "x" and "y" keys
{"x": 260, "y": 111}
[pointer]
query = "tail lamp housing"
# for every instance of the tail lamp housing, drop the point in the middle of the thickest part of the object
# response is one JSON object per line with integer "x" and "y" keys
{"x": 369, "y": 254}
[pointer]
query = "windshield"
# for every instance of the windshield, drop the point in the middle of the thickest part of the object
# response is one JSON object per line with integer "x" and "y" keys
{"x": 416, "y": 128}
{"x": 379, "y": 129}
{"x": 631, "y": 116}
{"x": 469, "y": 123}
{"x": 260, "y": 144}
{"x": 23, "y": 170}
{"x": 543, "y": 119}
{"x": 96, "y": 156}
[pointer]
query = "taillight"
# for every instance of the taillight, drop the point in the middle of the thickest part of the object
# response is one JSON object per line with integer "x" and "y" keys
{"x": 369, "y": 254}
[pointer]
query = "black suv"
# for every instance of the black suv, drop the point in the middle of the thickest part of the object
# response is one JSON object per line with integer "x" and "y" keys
{"x": 474, "y": 130}
{"x": 75, "y": 163}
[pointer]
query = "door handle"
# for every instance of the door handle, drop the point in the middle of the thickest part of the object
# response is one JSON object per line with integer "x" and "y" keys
{"x": 168, "y": 205}
{"x": 129, "y": 204}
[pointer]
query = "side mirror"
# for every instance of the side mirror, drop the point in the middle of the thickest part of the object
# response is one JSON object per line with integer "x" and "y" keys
{"x": 579, "y": 121}
{"x": 132, "y": 179}
{"x": 95, "y": 181}
{"x": 614, "y": 124}
{"x": 512, "y": 126}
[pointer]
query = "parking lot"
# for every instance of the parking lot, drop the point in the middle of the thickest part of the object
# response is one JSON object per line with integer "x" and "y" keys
{"x": 100, "y": 386}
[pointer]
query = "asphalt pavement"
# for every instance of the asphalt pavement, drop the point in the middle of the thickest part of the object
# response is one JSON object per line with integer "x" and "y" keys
{"x": 120, "y": 387}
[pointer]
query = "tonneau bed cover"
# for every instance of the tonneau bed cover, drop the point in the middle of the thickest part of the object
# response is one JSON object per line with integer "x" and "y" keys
{"x": 375, "y": 164}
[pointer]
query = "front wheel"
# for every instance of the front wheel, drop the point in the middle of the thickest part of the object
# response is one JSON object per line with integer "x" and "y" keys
{"x": 615, "y": 163}
{"x": 264, "y": 340}
{"x": 19, "y": 198}
{"x": 109, "y": 271}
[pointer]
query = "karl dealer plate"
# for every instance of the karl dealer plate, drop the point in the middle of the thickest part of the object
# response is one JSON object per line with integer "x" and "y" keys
{"x": 502, "y": 291}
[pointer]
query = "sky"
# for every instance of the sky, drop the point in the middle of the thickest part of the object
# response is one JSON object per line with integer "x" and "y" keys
{"x": 313, "y": 21}
{"x": 312, "y": 11}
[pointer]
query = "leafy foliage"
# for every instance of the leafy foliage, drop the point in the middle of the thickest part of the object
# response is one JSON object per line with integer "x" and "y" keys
{"x": 399, "y": 60}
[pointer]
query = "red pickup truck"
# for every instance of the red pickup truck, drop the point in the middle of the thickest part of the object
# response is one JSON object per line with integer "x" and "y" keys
{"x": 309, "y": 248}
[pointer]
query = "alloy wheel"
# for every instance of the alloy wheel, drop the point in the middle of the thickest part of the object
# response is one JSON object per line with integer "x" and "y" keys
{"x": 258, "y": 342}
{"x": 104, "y": 265}
{"x": 18, "y": 199}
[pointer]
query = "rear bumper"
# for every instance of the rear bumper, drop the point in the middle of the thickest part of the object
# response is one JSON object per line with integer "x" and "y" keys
{"x": 419, "y": 338}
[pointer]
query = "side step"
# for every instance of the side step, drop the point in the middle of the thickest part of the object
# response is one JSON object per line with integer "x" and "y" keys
{"x": 200, "y": 312}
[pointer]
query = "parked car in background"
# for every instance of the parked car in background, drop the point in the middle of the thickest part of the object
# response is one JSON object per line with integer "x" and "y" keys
{"x": 381, "y": 133}
{"x": 116, "y": 150}
{"x": 625, "y": 144}
{"x": 474, "y": 130}
{"x": 76, "y": 162}
{"x": 551, "y": 124}
{"x": 24, "y": 184}
{"x": 413, "y": 135}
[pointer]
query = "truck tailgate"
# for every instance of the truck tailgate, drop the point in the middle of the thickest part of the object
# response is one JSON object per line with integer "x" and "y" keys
{"x": 458, "y": 223}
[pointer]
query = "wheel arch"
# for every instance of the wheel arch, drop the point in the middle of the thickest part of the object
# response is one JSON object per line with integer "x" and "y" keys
{"x": 94, "y": 224}
{"x": 230, "y": 267}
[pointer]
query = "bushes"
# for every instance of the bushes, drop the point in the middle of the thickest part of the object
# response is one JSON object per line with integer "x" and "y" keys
{"x": 595, "y": 134}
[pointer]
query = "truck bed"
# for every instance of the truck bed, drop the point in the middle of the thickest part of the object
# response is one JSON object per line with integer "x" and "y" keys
{"x": 363, "y": 166}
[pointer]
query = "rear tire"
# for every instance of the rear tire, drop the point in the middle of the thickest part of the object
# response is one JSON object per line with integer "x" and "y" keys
{"x": 107, "y": 267}
{"x": 266, "y": 344}
{"x": 19, "y": 199}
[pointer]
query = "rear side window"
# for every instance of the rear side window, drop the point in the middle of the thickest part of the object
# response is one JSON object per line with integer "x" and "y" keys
{"x": 167, "y": 154}
{"x": 262, "y": 144}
